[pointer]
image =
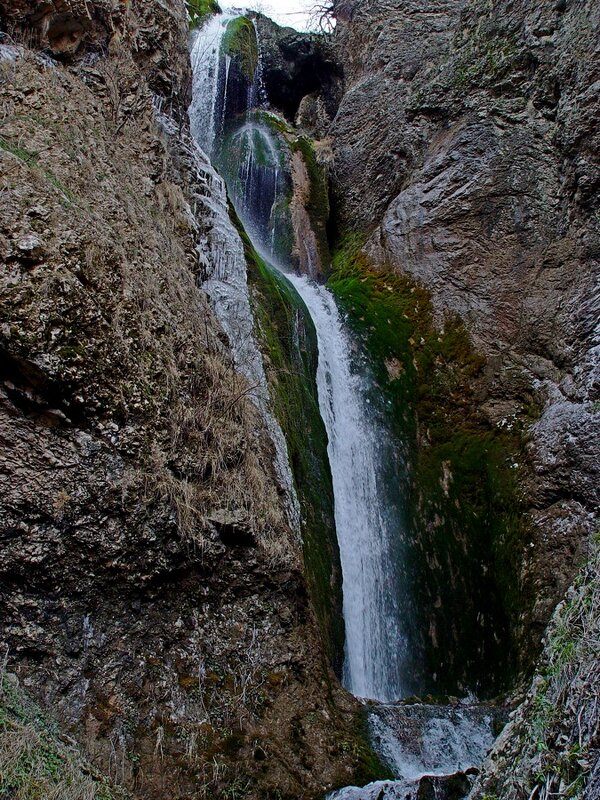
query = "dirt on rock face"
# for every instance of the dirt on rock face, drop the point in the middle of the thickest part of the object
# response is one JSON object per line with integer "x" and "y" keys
{"x": 466, "y": 148}
{"x": 151, "y": 589}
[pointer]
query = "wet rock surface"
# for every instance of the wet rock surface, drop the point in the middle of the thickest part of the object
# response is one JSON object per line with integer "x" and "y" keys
{"x": 466, "y": 151}
{"x": 296, "y": 65}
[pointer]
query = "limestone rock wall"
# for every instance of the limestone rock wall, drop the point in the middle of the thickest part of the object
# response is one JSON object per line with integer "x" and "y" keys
{"x": 466, "y": 148}
{"x": 151, "y": 590}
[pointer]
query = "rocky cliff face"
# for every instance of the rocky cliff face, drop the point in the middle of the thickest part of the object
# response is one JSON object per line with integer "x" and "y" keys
{"x": 466, "y": 154}
{"x": 151, "y": 587}
{"x": 465, "y": 145}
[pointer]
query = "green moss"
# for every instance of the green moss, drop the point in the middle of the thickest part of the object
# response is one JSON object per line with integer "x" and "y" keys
{"x": 35, "y": 763}
{"x": 240, "y": 43}
{"x": 200, "y": 9}
{"x": 460, "y": 490}
{"x": 276, "y": 123}
{"x": 370, "y": 767}
{"x": 286, "y": 333}
{"x": 318, "y": 199}
{"x": 553, "y": 731}
{"x": 485, "y": 61}
{"x": 269, "y": 149}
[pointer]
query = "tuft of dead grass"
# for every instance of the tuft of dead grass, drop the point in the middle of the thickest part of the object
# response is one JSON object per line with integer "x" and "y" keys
{"x": 34, "y": 764}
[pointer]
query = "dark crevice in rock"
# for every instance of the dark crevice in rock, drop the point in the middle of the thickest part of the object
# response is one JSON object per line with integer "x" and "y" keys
{"x": 296, "y": 65}
{"x": 34, "y": 394}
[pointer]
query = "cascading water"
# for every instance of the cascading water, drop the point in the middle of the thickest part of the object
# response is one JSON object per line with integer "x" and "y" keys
{"x": 208, "y": 81}
{"x": 363, "y": 459}
{"x": 367, "y": 531}
{"x": 226, "y": 280}
{"x": 368, "y": 522}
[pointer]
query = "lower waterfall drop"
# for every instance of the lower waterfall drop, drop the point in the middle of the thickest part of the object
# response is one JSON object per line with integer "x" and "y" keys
{"x": 366, "y": 531}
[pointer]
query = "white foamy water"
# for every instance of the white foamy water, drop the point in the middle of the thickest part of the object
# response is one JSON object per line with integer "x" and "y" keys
{"x": 424, "y": 741}
{"x": 371, "y": 591}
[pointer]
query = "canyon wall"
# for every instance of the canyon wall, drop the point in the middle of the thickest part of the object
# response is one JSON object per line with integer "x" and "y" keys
{"x": 465, "y": 162}
{"x": 465, "y": 150}
{"x": 152, "y": 593}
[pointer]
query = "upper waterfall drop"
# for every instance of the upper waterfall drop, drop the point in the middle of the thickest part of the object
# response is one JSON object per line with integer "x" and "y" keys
{"x": 225, "y": 281}
{"x": 207, "y": 108}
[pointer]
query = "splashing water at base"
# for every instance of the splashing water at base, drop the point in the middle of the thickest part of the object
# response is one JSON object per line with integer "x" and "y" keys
{"x": 423, "y": 741}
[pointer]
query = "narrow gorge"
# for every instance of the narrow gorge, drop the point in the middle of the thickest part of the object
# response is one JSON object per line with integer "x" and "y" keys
{"x": 300, "y": 401}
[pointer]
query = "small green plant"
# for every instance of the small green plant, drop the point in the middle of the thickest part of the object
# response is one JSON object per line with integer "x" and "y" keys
{"x": 198, "y": 10}
{"x": 32, "y": 160}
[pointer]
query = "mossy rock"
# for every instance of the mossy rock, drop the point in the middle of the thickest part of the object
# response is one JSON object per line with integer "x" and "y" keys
{"x": 200, "y": 9}
{"x": 36, "y": 763}
{"x": 288, "y": 340}
{"x": 241, "y": 44}
{"x": 466, "y": 525}
{"x": 318, "y": 200}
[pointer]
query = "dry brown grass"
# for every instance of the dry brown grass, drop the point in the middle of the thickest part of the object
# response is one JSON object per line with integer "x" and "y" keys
{"x": 217, "y": 459}
{"x": 34, "y": 764}
{"x": 140, "y": 341}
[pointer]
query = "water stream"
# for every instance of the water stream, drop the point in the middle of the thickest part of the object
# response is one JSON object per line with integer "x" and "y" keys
{"x": 365, "y": 529}
{"x": 364, "y": 463}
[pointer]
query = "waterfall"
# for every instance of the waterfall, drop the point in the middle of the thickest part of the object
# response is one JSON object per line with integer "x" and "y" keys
{"x": 363, "y": 456}
{"x": 220, "y": 248}
{"x": 368, "y": 522}
{"x": 366, "y": 531}
{"x": 209, "y": 85}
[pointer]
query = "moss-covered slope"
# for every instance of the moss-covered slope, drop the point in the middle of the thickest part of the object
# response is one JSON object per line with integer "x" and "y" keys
{"x": 460, "y": 484}
{"x": 35, "y": 764}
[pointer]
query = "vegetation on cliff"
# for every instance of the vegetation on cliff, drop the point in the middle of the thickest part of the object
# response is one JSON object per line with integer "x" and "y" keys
{"x": 287, "y": 335}
{"x": 550, "y": 749}
{"x": 317, "y": 203}
{"x": 240, "y": 43}
{"x": 461, "y": 494}
{"x": 35, "y": 764}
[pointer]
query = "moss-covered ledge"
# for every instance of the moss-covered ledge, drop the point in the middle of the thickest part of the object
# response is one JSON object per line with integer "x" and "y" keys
{"x": 287, "y": 338}
{"x": 240, "y": 43}
{"x": 199, "y": 10}
{"x": 461, "y": 486}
